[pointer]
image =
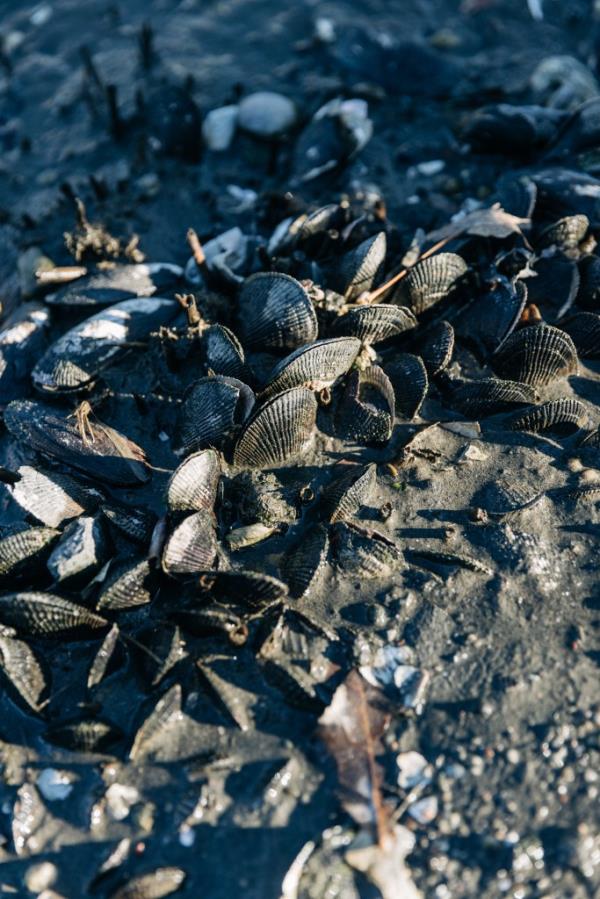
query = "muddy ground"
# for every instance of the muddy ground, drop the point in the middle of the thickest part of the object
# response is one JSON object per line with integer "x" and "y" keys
{"x": 511, "y": 714}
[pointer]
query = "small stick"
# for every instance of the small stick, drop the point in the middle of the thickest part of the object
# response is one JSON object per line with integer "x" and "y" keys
{"x": 375, "y": 294}
{"x": 196, "y": 248}
{"x": 188, "y": 302}
{"x": 62, "y": 274}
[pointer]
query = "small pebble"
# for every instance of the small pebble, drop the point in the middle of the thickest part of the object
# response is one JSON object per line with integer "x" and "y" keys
{"x": 41, "y": 876}
{"x": 219, "y": 127}
{"x": 266, "y": 114}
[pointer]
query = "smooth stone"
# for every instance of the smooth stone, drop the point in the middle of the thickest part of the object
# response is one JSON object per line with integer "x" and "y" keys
{"x": 266, "y": 114}
{"x": 219, "y": 127}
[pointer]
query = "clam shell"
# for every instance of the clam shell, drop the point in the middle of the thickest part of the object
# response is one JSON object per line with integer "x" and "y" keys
{"x": 84, "y": 735}
{"x": 135, "y": 524}
{"x": 489, "y": 395}
{"x": 555, "y": 286}
{"x": 275, "y": 312}
{"x": 213, "y": 619}
{"x": 588, "y": 295}
{"x": 278, "y": 430}
{"x": 302, "y": 565}
{"x": 121, "y": 282}
{"x": 192, "y": 546}
{"x": 22, "y": 341}
{"x": 193, "y": 485}
{"x": 224, "y": 353}
{"x": 167, "y": 648}
{"x": 584, "y": 330}
{"x": 111, "y": 457}
{"x": 489, "y": 319}
{"x": 367, "y": 408}
{"x": 432, "y": 280}
{"x": 408, "y": 376}
{"x": 437, "y": 348}
{"x": 153, "y": 885}
{"x": 315, "y": 366}
{"x": 536, "y": 355}
{"x": 346, "y": 495}
{"x": 74, "y": 361}
{"x": 212, "y": 409}
{"x": 373, "y": 324}
{"x": 105, "y": 658}
{"x": 364, "y": 552}
{"x": 23, "y": 671}
{"x": 564, "y": 416}
{"x": 566, "y": 234}
{"x": 242, "y": 587}
{"x": 47, "y": 615}
{"x": 129, "y": 585}
{"x": 19, "y": 552}
{"x": 359, "y": 270}
{"x": 52, "y": 497}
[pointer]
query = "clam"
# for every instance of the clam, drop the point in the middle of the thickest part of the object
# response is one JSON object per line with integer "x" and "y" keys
{"x": 432, "y": 280}
{"x": 584, "y": 330}
{"x": 213, "y": 409}
{"x": 120, "y": 282}
{"x": 106, "y": 658}
{"x": 302, "y": 565}
{"x": 84, "y": 735}
{"x": 564, "y": 416}
{"x": 193, "y": 485}
{"x": 488, "y": 395}
{"x": 129, "y": 585}
{"x": 275, "y": 312}
{"x": 373, "y": 324}
{"x": 241, "y": 587}
{"x": 278, "y": 430}
{"x": 437, "y": 348}
{"x": 192, "y": 546}
{"x": 75, "y": 360}
{"x": 93, "y": 448}
{"x": 315, "y": 366}
{"x": 490, "y": 318}
{"x": 47, "y": 615}
{"x": 22, "y": 551}
{"x": 555, "y": 286}
{"x": 224, "y": 353}
{"x": 536, "y": 355}
{"x": 22, "y": 340}
{"x": 566, "y": 234}
{"x": 135, "y": 524}
{"x": 52, "y": 497}
{"x": 23, "y": 671}
{"x": 363, "y": 551}
{"x": 408, "y": 376}
{"x": 367, "y": 407}
{"x": 359, "y": 270}
{"x": 343, "y": 498}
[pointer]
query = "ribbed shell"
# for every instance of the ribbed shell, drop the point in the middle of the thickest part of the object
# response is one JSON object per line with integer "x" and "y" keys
{"x": 46, "y": 615}
{"x": 584, "y": 330}
{"x": 489, "y": 395}
{"x": 21, "y": 549}
{"x": 564, "y": 415}
{"x": 20, "y": 665}
{"x": 223, "y": 352}
{"x": 566, "y": 234}
{"x": 22, "y": 340}
{"x": 302, "y": 565}
{"x": 136, "y": 524}
{"x": 278, "y": 430}
{"x": 372, "y": 324}
{"x": 192, "y": 546}
{"x": 408, "y": 375}
{"x": 367, "y": 408}
{"x": 76, "y": 358}
{"x": 52, "y": 497}
{"x": 364, "y": 553}
{"x": 437, "y": 348}
{"x": 360, "y": 268}
{"x": 250, "y": 588}
{"x": 212, "y": 409}
{"x": 85, "y": 735}
{"x": 166, "y": 709}
{"x": 432, "y": 280}
{"x": 131, "y": 584}
{"x": 193, "y": 485}
{"x": 104, "y": 657}
{"x": 275, "y": 312}
{"x": 111, "y": 457}
{"x": 113, "y": 285}
{"x": 536, "y": 355}
{"x": 344, "y": 497}
{"x": 315, "y": 366}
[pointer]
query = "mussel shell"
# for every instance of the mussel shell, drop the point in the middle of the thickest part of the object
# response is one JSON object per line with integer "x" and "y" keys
{"x": 21, "y": 551}
{"x": 213, "y": 409}
{"x": 224, "y": 353}
{"x": 52, "y": 497}
{"x": 242, "y": 587}
{"x": 275, "y": 312}
{"x": 359, "y": 269}
{"x": 111, "y": 457}
{"x": 22, "y": 340}
{"x": 566, "y": 234}
{"x": 555, "y": 286}
{"x": 584, "y": 330}
{"x": 536, "y": 355}
{"x": 489, "y": 319}
{"x": 488, "y": 396}
{"x": 364, "y": 552}
{"x": 343, "y": 498}
{"x": 367, "y": 408}
{"x": 512, "y": 130}
{"x": 214, "y": 618}
{"x": 304, "y": 562}
{"x": 315, "y": 366}
{"x": 135, "y": 524}
{"x": 192, "y": 546}
{"x": 278, "y": 430}
{"x": 193, "y": 485}
{"x": 47, "y": 615}
{"x": 78, "y": 357}
{"x": 408, "y": 376}
{"x": 121, "y": 282}
{"x": 437, "y": 348}
{"x": 81, "y": 550}
{"x": 432, "y": 280}
{"x": 130, "y": 584}
{"x": 564, "y": 416}
{"x": 373, "y": 324}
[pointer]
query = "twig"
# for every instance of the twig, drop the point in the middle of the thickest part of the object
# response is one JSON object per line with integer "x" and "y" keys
{"x": 61, "y": 274}
{"x": 196, "y": 248}
{"x": 375, "y": 294}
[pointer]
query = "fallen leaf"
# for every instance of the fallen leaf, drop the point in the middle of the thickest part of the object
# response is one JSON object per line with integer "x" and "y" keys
{"x": 491, "y": 222}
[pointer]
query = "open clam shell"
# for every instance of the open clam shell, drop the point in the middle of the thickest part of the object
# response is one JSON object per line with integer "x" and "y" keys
{"x": 302, "y": 565}
{"x": 536, "y": 355}
{"x": 367, "y": 407}
{"x": 315, "y": 366}
{"x": 275, "y": 312}
{"x": 487, "y": 396}
{"x": 408, "y": 376}
{"x": 278, "y": 430}
{"x": 343, "y": 498}
{"x": 489, "y": 319}
{"x": 564, "y": 416}
{"x": 437, "y": 347}
{"x": 250, "y": 588}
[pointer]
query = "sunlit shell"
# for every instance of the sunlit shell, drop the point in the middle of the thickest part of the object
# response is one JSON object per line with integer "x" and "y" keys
{"x": 373, "y": 324}
{"x": 566, "y": 234}
{"x": 564, "y": 416}
{"x": 193, "y": 485}
{"x": 315, "y": 366}
{"x": 364, "y": 552}
{"x": 301, "y": 566}
{"x": 278, "y": 430}
{"x": 347, "y": 494}
{"x": 536, "y": 355}
{"x": 360, "y": 268}
{"x": 117, "y": 283}
{"x": 242, "y": 587}
{"x": 192, "y": 546}
{"x": 584, "y": 330}
{"x": 367, "y": 407}
{"x": 21, "y": 551}
{"x": 130, "y": 584}
{"x": 23, "y": 671}
{"x": 275, "y": 312}
{"x": 223, "y": 352}
{"x": 22, "y": 341}
{"x": 408, "y": 376}
{"x": 47, "y": 615}
{"x": 212, "y": 409}
{"x": 81, "y": 550}
{"x": 432, "y": 280}
{"x": 489, "y": 395}
{"x": 52, "y": 497}
{"x": 437, "y": 348}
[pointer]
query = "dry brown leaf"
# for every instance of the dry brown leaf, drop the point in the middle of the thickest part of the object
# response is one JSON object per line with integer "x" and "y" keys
{"x": 491, "y": 222}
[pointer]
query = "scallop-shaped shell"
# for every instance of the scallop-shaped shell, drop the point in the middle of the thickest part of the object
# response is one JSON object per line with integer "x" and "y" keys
{"x": 302, "y": 565}
{"x": 84, "y": 735}
{"x": 212, "y": 409}
{"x": 275, "y": 312}
{"x": 372, "y": 324}
{"x": 364, "y": 552}
{"x": 536, "y": 355}
{"x": 564, "y": 416}
{"x": 346, "y": 495}
{"x": 278, "y": 430}
{"x": 584, "y": 330}
{"x": 46, "y": 615}
{"x": 224, "y": 353}
{"x": 21, "y": 550}
{"x": 135, "y": 524}
{"x": 408, "y": 376}
{"x": 315, "y": 366}
{"x": 77, "y": 358}
{"x": 130, "y": 584}
{"x": 566, "y": 234}
{"x": 23, "y": 671}
{"x": 367, "y": 407}
{"x": 22, "y": 341}
{"x": 588, "y": 295}
{"x": 81, "y": 550}
{"x": 489, "y": 395}
{"x": 52, "y": 497}
{"x": 242, "y": 587}
{"x": 192, "y": 546}
{"x": 121, "y": 282}
{"x": 432, "y": 280}
{"x": 193, "y": 485}
{"x": 109, "y": 457}
{"x": 360, "y": 268}
{"x": 437, "y": 348}
{"x": 555, "y": 286}
{"x": 489, "y": 319}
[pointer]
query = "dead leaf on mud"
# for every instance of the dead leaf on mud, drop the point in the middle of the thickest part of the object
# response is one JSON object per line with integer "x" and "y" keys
{"x": 491, "y": 222}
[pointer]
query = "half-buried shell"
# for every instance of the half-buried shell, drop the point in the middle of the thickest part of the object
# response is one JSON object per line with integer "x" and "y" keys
{"x": 536, "y": 355}
{"x": 315, "y": 366}
{"x": 278, "y": 430}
